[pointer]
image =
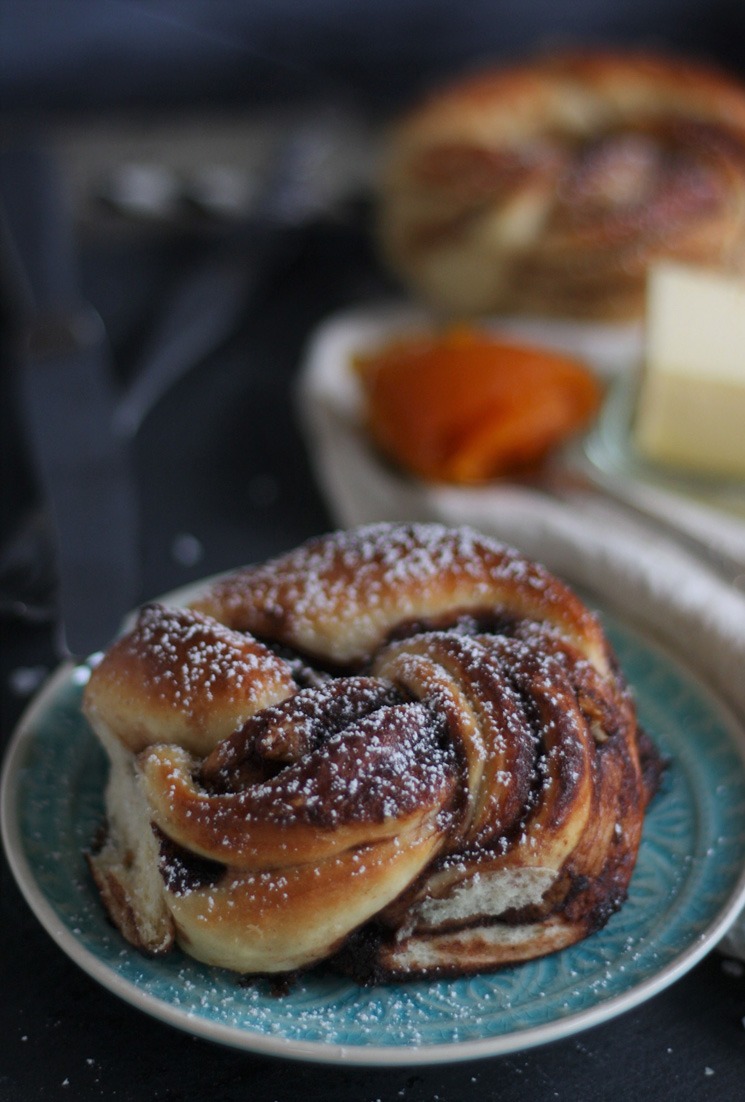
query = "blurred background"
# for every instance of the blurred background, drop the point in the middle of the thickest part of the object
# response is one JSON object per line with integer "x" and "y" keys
{"x": 92, "y": 55}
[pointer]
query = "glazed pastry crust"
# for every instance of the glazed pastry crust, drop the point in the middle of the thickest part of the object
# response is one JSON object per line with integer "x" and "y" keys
{"x": 434, "y": 766}
{"x": 339, "y": 597}
{"x": 551, "y": 186}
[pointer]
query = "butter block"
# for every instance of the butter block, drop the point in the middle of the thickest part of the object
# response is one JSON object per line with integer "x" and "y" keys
{"x": 691, "y": 407}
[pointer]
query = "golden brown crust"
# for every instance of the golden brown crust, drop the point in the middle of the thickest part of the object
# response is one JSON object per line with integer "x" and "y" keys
{"x": 339, "y": 597}
{"x": 179, "y": 677}
{"x": 549, "y": 187}
{"x": 606, "y": 83}
{"x": 470, "y": 792}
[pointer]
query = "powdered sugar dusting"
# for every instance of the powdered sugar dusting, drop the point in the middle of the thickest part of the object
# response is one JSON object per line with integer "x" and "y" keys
{"x": 448, "y": 729}
{"x": 382, "y": 768}
{"x": 192, "y": 659}
{"x": 338, "y": 596}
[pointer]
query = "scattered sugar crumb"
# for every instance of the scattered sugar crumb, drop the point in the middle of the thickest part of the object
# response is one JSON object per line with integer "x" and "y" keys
{"x": 187, "y": 549}
{"x": 25, "y": 680}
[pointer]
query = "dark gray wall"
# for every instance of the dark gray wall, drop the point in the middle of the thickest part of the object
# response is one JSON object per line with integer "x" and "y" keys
{"x": 99, "y": 53}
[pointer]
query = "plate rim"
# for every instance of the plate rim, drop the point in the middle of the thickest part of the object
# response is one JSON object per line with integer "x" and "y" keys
{"x": 323, "y": 1052}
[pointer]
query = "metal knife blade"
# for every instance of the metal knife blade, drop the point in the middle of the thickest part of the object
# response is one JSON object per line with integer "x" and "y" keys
{"x": 67, "y": 399}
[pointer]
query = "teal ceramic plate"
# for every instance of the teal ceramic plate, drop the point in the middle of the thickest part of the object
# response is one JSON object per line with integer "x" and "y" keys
{"x": 687, "y": 888}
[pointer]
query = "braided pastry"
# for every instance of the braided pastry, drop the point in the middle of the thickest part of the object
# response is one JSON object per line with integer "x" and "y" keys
{"x": 403, "y": 748}
{"x": 550, "y": 187}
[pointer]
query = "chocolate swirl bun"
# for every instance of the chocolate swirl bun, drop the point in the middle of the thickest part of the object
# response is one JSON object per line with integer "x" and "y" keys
{"x": 424, "y": 761}
{"x": 550, "y": 187}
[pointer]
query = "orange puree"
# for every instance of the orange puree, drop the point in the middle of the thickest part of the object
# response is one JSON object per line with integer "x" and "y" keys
{"x": 463, "y": 406}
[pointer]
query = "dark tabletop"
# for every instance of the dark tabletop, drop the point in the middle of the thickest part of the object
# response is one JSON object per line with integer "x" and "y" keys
{"x": 224, "y": 478}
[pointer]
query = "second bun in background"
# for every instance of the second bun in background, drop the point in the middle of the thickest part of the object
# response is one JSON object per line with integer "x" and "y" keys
{"x": 550, "y": 187}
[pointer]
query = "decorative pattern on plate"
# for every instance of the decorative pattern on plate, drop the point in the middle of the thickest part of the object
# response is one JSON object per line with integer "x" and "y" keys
{"x": 688, "y": 885}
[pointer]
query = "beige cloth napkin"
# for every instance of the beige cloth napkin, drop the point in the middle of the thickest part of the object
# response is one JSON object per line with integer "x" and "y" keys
{"x": 606, "y": 549}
